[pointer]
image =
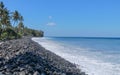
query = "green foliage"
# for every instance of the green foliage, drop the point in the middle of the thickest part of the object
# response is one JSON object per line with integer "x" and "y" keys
{"x": 32, "y": 32}
{"x": 4, "y": 36}
{"x": 8, "y": 34}
{"x": 9, "y": 30}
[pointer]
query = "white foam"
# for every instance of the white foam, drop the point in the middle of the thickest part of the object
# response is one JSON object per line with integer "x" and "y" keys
{"x": 88, "y": 64}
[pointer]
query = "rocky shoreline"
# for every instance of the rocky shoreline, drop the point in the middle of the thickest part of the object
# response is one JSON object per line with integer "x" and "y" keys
{"x": 26, "y": 57}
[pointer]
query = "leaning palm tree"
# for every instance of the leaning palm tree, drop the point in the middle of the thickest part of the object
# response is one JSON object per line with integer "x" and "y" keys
{"x": 16, "y": 17}
{"x": 21, "y": 18}
{"x": 21, "y": 27}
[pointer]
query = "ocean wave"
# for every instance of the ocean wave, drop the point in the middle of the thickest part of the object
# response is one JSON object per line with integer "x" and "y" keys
{"x": 88, "y": 64}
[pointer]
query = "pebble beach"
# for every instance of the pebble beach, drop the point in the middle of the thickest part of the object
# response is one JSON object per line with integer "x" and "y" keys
{"x": 26, "y": 57}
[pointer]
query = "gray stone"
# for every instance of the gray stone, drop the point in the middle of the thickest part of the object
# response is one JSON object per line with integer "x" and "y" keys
{"x": 36, "y": 73}
{"x": 1, "y": 73}
{"x": 22, "y": 73}
{"x": 43, "y": 73}
{"x": 21, "y": 69}
{"x": 24, "y": 56}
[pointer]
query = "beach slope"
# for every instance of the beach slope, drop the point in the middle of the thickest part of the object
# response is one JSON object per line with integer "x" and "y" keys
{"x": 26, "y": 57}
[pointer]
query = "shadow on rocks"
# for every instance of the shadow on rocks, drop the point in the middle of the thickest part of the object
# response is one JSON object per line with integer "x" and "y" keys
{"x": 27, "y": 64}
{"x": 26, "y": 57}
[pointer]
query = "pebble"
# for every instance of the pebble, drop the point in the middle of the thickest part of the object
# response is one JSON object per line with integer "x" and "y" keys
{"x": 22, "y": 73}
{"x": 26, "y": 57}
{"x": 36, "y": 73}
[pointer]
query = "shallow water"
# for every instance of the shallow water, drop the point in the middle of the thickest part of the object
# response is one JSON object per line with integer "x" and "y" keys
{"x": 95, "y": 56}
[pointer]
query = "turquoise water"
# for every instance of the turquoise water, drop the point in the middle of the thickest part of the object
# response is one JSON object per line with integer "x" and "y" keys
{"x": 96, "y": 56}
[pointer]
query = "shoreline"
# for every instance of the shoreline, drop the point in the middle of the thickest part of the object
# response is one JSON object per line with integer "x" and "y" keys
{"x": 25, "y": 56}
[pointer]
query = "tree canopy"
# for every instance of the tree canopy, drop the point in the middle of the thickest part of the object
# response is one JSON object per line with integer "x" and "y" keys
{"x": 12, "y": 26}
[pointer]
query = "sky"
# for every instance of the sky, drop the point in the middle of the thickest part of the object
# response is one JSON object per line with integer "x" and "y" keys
{"x": 75, "y": 18}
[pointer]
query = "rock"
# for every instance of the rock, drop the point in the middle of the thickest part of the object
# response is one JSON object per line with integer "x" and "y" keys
{"x": 1, "y": 43}
{"x": 25, "y": 46}
{"x": 10, "y": 47}
{"x": 63, "y": 74}
{"x": 83, "y": 73}
{"x": 16, "y": 73}
{"x": 1, "y": 73}
{"x": 1, "y": 63}
{"x": 30, "y": 74}
{"x": 36, "y": 73}
{"x": 26, "y": 57}
{"x": 21, "y": 69}
{"x": 43, "y": 73}
{"x": 22, "y": 73}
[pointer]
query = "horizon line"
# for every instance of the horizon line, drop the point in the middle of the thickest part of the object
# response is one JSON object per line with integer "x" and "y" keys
{"x": 86, "y": 37}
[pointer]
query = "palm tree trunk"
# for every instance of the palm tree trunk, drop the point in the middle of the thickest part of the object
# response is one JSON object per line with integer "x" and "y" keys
{"x": 14, "y": 24}
{"x": 0, "y": 33}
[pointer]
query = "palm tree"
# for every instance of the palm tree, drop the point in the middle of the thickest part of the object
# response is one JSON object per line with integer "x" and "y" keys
{"x": 4, "y": 18}
{"x": 1, "y": 14}
{"x": 1, "y": 9}
{"x": 21, "y": 18}
{"x": 0, "y": 30}
{"x": 16, "y": 17}
{"x": 21, "y": 27}
{"x": 1, "y": 5}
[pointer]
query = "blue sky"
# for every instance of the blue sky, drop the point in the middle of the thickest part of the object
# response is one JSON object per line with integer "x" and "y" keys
{"x": 70, "y": 17}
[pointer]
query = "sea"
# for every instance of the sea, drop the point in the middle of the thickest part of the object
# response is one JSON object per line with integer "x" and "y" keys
{"x": 93, "y": 55}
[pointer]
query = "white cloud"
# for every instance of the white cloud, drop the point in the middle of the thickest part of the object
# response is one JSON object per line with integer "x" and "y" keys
{"x": 51, "y": 24}
{"x": 50, "y": 17}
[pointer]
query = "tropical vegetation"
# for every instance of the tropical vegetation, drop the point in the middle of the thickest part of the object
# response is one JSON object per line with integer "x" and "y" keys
{"x": 12, "y": 26}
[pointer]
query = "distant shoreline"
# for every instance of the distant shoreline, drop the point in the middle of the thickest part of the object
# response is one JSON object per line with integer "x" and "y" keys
{"x": 88, "y": 37}
{"x": 24, "y": 56}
